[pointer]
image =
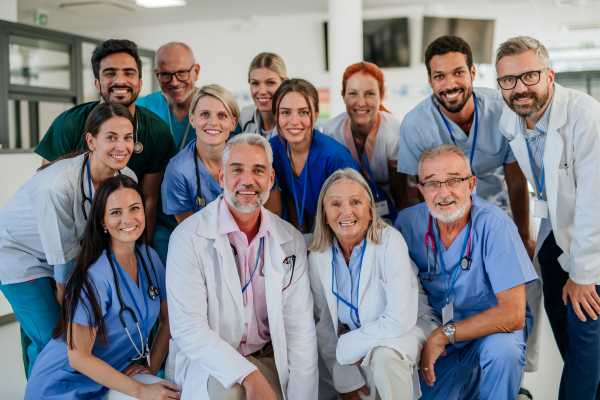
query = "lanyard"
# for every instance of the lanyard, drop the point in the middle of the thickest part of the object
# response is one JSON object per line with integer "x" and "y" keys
{"x": 367, "y": 165}
{"x": 474, "y": 133}
{"x": 539, "y": 185}
{"x": 255, "y": 267}
{"x": 299, "y": 212}
{"x": 89, "y": 178}
{"x": 449, "y": 290}
{"x": 135, "y": 304}
{"x": 333, "y": 250}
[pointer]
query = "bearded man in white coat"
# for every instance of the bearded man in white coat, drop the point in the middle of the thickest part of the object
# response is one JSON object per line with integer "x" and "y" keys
{"x": 240, "y": 303}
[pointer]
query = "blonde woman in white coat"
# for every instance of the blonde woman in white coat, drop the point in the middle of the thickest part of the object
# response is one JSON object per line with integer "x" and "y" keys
{"x": 371, "y": 313}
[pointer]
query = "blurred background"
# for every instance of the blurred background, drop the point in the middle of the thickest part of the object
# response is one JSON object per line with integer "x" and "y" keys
{"x": 46, "y": 45}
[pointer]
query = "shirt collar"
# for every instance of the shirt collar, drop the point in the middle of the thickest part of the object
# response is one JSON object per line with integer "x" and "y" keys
{"x": 227, "y": 223}
{"x": 541, "y": 127}
{"x": 339, "y": 248}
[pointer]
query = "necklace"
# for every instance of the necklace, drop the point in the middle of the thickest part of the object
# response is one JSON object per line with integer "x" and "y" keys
{"x": 347, "y": 258}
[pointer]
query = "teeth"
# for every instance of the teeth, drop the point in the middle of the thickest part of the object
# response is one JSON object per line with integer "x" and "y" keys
{"x": 263, "y": 101}
{"x": 294, "y": 130}
{"x": 348, "y": 223}
{"x": 212, "y": 132}
{"x": 120, "y": 91}
{"x": 177, "y": 90}
{"x": 120, "y": 158}
{"x": 362, "y": 112}
{"x": 451, "y": 96}
{"x": 249, "y": 193}
{"x": 129, "y": 229}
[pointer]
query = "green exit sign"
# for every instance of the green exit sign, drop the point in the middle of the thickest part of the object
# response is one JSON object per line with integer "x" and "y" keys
{"x": 40, "y": 18}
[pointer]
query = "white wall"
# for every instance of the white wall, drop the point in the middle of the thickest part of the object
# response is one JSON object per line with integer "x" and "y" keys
{"x": 8, "y": 10}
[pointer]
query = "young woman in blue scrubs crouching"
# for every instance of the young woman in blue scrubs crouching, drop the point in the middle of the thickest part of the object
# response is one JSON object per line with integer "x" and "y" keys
{"x": 112, "y": 300}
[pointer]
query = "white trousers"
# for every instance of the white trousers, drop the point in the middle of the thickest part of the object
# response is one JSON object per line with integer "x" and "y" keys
{"x": 392, "y": 374}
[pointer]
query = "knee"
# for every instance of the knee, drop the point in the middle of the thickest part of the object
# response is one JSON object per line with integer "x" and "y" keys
{"x": 217, "y": 392}
{"x": 383, "y": 356}
{"x": 505, "y": 350}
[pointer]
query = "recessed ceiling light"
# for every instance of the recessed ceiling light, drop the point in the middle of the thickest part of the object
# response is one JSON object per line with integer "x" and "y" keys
{"x": 160, "y": 3}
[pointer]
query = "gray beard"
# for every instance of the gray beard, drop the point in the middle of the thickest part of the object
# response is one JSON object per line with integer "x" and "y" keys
{"x": 244, "y": 208}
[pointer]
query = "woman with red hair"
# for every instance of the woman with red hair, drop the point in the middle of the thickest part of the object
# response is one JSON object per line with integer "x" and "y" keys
{"x": 371, "y": 133}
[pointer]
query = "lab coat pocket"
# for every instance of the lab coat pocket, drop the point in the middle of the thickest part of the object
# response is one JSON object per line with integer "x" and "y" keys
{"x": 566, "y": 196}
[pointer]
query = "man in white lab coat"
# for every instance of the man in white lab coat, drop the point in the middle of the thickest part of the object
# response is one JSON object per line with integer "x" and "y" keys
{"x": 554, "y": 133}
{"x": 240, "y": 303}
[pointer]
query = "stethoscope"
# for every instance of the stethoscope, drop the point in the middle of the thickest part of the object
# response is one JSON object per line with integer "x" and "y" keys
{"x": 138, "y": 147}
{"x": 199, "y": 199}
{"x": 362, "y": 255}
{"x": 465, "y": 262}
{"x": 474, "y": 133}
{"x": 86, "y": 162}
{"x": 153, "y": 293}
{"x": 171, "y": 129}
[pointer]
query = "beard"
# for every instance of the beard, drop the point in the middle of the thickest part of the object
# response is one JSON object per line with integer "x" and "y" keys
{"x": 529, "y": 110}
{"x": 447, "y": 216}
{"x": 467, "y": 93}
{"x": 105, "y": 94}
{"x": 231, "y": 199}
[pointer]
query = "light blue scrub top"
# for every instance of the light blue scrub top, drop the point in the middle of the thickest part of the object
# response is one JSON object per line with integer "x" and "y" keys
{"x": 156, "y": 103}
{"x": 325, "y": 157}
{"x": 180, "y": 185}
{"x": 347, "y": 279}
{"x": 52, "y": 376}
{"x": 500, "y": 261}
{"x": 423, "y": 127}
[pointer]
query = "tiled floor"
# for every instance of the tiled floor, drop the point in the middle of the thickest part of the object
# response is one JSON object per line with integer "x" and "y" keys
{"x": 542, "y": 384}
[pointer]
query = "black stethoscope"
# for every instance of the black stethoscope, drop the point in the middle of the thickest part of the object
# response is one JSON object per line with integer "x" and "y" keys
{"x": 199, "y": 199}
{"x": 465, "y": 262}
{"x": 86, "y": 162}
{"x": 138, "y": 147}
{"x": 153, "y": 293}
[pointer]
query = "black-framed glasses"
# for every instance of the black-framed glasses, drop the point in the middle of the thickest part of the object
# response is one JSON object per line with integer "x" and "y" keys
{"x": 450, "y": 184}
{"x": 528, "y": 78}
{"x": 183, "y": 75}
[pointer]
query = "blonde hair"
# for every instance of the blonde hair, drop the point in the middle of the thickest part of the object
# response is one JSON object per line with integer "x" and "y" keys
{"x": 218, "y": 92}
{"x": 323, "y": 234}
{"x": 271, "y": 61}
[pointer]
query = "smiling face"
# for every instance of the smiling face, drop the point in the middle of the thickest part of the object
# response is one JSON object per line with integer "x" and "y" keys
{"x": 451, "y": 80}
{"x": 347, "y": 211}
{"x": 247, "y": 178}
{"x": 446, "y": 204}
{"x": 526, "y": 101}
{"x": 263, "y": 85}
{"x": 119, "y": 79}
{"x": 124, "y": 217}
{"x": 172, "y": 59}
{"x": 362, "y": 98}
{"x": 113, "y": 144}
{"x": 212, "y": 121}
{"x": 295, "y": 118}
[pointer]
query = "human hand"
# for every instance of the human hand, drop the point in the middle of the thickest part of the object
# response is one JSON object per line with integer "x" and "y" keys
{"x": 353, "y": 395}
{"x": 434, "y": 348}
{"x": 257, "y": 387}
{"x": 134, "y": 369}
{"x": 342, "y": 330}
{"x": 162, "y": 390}
{"x": 582, "y": 296}
{"x": 60, "y": 293}
{"x": 358, "y": 362}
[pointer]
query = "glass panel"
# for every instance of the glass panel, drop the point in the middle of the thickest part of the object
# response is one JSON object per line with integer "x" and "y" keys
{"x": 40, "y": 63}
{"x": 147, "y": 76}
{"x": 595, "y": 87}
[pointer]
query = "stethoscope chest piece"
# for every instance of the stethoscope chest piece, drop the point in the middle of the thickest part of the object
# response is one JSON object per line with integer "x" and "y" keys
{"x": 200, "y": 201}
{"x": 465, "y": 263}
{"x": 138, "y": 147}
{"x": 153, "y": 292}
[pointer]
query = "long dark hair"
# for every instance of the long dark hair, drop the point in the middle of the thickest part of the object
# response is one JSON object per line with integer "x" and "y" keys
{"x": 99, "y": 115}
{"x": 302, "y": 86}
{"x": 94, "y": 243}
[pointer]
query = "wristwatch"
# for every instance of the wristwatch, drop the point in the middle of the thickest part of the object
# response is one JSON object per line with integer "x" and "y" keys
{"x": 449, "y": 330}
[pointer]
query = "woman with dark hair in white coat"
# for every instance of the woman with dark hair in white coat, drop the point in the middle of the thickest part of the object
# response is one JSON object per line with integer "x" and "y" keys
{"x": 371, "y": 313}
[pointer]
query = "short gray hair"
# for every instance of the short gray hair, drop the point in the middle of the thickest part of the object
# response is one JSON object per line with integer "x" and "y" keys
{"x": 174, "y": 44}
{"x": 441, "y": 151}
{"x": 521, "y": 44}
{"x": 323, "y": 234}
{"x": 252, "y": 139}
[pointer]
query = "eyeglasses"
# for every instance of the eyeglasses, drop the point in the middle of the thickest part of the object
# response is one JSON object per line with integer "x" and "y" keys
{"x": 183, "y": 75}
{"x": 450, "y": 184}
{"x": 528, "y": 78}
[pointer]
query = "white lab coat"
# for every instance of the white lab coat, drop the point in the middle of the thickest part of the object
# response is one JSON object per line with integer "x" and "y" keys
{"x": 393, "y": 307}
{"x": 572, "y": 169}
{"x": 206, "y": 308}
{"x": 249, "y": 117}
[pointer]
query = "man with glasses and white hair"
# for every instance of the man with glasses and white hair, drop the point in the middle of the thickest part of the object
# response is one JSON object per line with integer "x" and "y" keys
{"x": 240, "y": 303}
{"x": 554, "y": 133}
{"x": 479, "y": 287}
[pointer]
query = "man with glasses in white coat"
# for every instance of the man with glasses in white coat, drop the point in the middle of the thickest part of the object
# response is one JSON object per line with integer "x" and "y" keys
{"x": 240, "y": 303}
{"x": 554, "y": 133}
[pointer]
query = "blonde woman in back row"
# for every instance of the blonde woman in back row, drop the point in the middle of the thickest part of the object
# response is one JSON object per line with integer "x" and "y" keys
{"x": 371, "y": 313}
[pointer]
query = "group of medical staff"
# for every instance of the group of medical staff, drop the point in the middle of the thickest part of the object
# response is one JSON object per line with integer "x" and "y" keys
{"x": 184, "y": 178}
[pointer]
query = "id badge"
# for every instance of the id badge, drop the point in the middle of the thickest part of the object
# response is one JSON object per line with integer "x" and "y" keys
{"x": 382, "y": 208}
{"x": 448, "y": 313}
{"x": 540, "y": 208}
{"x": 247, "y": 315}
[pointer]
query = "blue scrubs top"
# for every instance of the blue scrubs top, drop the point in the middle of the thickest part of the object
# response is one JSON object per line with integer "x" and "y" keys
{"x": 500, "y": 261}
{"x": 52, "y": 376}
{"x": 180, "y": 184}
{"x": 156, "y": 103}
{"x": 423, "y": 127}
{"x": 325, "y": 157}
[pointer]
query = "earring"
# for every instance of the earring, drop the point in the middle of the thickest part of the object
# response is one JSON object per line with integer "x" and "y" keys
{"x": 105, "y": 231}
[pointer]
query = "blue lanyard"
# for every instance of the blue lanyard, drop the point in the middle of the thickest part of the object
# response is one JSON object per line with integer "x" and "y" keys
{"x": 539, "y": 185}
{"x": 464, "y": 246}
{"x": 333, "y": 250}
{"x": 89, "y": 178}
{"x": 299, "y": 212}
{"x": 255, "y": 267}
{"x": 124, "y": 280}
{"x": 474, "y": 133}
{"x": 367, "y": 165}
